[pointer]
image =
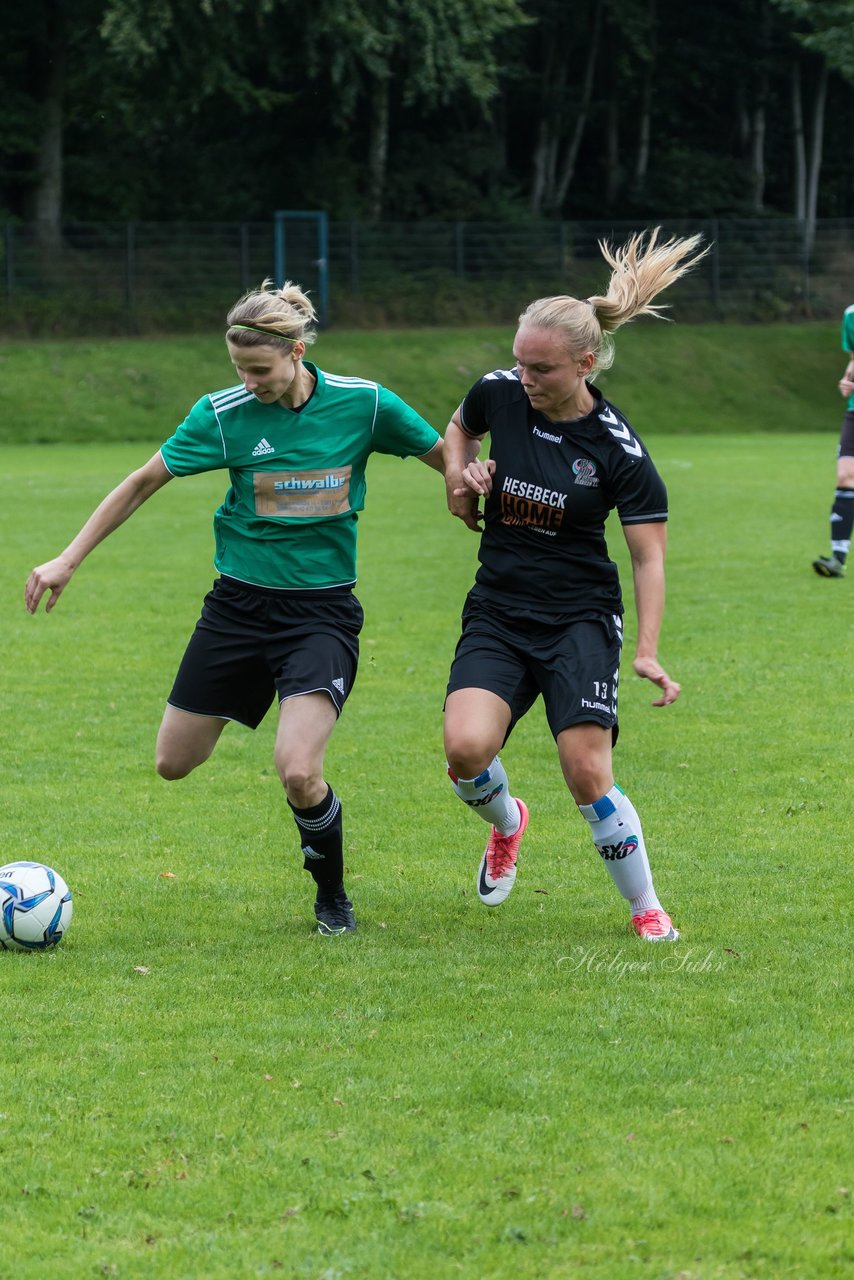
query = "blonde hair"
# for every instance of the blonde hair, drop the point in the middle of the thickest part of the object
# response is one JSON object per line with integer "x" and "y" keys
{"x": 269, "y": 315}
{"x": 639, "y": 272}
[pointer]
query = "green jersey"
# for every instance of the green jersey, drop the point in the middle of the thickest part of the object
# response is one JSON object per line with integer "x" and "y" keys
{"x": 297, "y": 475}
{"x": 848, "y": 340}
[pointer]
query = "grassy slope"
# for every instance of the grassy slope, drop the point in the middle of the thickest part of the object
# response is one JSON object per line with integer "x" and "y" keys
{"x": 667, "y": 378}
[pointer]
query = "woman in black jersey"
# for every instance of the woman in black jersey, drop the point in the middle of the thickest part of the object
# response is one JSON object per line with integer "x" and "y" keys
{"x": 545, "y": 613}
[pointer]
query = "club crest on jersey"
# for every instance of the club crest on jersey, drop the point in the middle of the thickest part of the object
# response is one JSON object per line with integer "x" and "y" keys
{"x": 585, "y": 472}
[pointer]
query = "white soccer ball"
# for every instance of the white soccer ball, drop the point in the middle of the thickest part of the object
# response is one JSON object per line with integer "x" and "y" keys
{"x": 35, "y": 907}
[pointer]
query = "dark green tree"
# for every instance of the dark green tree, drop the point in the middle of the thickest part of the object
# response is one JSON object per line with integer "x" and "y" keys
{"x": 225, "y": 109}
{"x": 823, "y": 36}
{"x": 383, "y": 55}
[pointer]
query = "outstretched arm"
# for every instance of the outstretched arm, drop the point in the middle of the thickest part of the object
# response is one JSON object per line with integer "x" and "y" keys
{"x": 647, "y": 543}
{"x": 436, "y": 457}
{"x": 113, "y": 511}
{"x": 466, "y": 478}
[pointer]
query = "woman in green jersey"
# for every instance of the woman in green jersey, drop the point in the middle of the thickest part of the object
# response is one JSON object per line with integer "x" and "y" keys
{"x": 842, "y": 512}
{"x": 281, "y": 619}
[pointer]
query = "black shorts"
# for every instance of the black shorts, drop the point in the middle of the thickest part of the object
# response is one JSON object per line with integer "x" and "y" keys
{"x": 575, "y": 665}
{"x": 252, "y": 642}
{"x": 846, "y": 439}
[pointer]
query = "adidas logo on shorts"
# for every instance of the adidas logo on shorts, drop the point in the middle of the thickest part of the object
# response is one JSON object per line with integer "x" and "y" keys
{"x": 339, "y": 684}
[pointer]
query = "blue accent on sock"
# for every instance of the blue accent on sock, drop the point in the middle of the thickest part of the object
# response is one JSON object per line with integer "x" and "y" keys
{"x": 482, "y": 780}
{"x": 603, "y": 808}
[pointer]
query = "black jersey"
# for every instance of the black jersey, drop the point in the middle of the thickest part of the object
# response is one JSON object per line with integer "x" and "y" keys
{"x": 543, "y": 543}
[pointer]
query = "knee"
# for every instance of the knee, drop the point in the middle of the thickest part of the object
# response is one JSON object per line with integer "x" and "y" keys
{"x": 171, "y": 769}
{"x": 586, "y": 780}
{"x": 184, "y": 742}
{"x": 173, "y": 761}
{"x": 467, "y": 754}
{"x": 845, "y": 473}
{"x": 300, "y": 778}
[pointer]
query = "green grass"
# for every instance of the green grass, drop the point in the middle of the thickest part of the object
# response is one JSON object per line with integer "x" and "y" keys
{"x": 696, "y": 379}
{"x": 196, "y": 1085}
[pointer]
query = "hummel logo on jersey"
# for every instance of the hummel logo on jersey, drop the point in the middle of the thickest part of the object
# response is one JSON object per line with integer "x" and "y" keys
{"x": 339, "y": 684}
{"x": 546, "y": 435}
{"x": 262, "y": 447}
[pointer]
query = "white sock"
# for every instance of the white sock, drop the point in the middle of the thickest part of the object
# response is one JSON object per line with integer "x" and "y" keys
{"x": 489, "y": 795}
{"x": 617, "y": 834}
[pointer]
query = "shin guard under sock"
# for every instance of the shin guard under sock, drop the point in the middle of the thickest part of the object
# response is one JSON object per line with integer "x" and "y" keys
{"x": 321, "y": 833}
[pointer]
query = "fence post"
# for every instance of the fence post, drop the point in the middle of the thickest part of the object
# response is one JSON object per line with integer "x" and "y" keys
{"x": 354, "y": 256}
{"x": 715, "y": 262}
{"x": 323, "y": 265}
{"x": 803, "y": 230}
{"x": 279, "y": 248}
{"x": 460, "y": 246}
{"x": 131, "y": 276}
{"x": 10, "y": 260}
{"x": 244, "y": 257}
{"x": 320, "y": 221}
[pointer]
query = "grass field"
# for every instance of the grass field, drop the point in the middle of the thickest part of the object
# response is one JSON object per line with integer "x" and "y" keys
{"x": 698, "y": 379}
{"x": 196, "y": 1085}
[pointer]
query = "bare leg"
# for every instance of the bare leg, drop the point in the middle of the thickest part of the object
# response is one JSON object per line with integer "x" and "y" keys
{"x": 185, "y": 741}
{"x": 476, "y": 724}
{"x": 305, "y": 727}
{"x": 585, "y": 758}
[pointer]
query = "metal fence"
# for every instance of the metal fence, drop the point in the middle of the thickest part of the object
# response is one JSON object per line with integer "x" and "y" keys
{"x": 103, "y": 278}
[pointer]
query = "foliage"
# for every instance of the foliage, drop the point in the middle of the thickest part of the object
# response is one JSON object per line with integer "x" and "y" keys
{"x": 170, "y": 33}
{"x": 233, "y": 108}
{"x": 362, "y": 41}
{"x": 827, "y": 29}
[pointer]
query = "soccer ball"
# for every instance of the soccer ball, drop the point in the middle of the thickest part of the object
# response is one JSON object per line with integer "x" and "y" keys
{"x": 35, "y": 907}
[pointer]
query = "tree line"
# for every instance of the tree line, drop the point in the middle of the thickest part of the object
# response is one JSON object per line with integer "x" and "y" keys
{"x": 146, "y": 110}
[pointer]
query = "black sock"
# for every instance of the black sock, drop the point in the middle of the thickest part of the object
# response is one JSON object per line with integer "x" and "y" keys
{"x": 321, "y": 833}
{"x": 841, "y": 523}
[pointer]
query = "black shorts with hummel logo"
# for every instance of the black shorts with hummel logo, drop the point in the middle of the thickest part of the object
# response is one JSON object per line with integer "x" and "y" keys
{"x": 573, "y": 662}
{"x": 251, "y": 643}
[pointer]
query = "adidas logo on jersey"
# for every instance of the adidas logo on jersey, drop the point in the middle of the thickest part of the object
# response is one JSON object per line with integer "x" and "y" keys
{"x": 262, "y": 447}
